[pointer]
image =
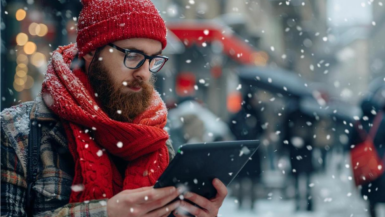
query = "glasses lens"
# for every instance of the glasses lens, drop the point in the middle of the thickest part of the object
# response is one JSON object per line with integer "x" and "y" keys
{"x": 133, "y": 59}
{"x": 156, "y": 64}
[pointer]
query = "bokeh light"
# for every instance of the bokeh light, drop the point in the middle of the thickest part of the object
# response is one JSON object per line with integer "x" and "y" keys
{"x": 32, "y": 28}
{"x": 42, "y": 30}
{"x": 21, "y": 39}
{"x": 20, "y": 14}
{"x": 17, "y": 87}
{"x": 22, "y": 66}
{"x": 29, "y": 48}
{"x": 38, "y": 59}
{"x": 21, "y": 73}
{"x": 19, "y": 81}
{"x": 22, "y": 58}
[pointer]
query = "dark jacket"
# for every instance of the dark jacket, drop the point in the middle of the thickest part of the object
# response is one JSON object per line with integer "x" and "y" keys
{"x": 298, "y": 140}
{"x": 246, "y": 125}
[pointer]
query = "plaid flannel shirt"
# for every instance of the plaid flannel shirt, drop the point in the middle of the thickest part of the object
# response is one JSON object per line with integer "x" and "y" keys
{"x": 52, "y": 187}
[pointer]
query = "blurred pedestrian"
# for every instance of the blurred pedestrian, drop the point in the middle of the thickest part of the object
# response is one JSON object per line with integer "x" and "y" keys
{"x": 246, "y": 125}
{"x": 298, "y": 139}
{"x": 372, "y": 118}
{"x": 324, "y": 140}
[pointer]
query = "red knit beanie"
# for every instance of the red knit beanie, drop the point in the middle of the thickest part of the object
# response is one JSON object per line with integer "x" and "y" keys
{"x": 105, "y": 21}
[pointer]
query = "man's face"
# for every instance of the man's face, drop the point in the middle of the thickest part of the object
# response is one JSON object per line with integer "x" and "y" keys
{"x": 123, "y": 93}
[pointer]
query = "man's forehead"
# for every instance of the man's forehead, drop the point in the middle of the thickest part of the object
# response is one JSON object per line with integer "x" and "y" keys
{"x": 148, "y": 46}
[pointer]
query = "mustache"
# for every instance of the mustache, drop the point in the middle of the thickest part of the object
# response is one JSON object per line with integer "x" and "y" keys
{"x": 134, "y": 83}
{"x": 139, "y": 82}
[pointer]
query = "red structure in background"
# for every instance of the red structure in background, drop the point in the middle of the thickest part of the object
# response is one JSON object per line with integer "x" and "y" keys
{"x": 185, "y": 82}
{"x": 199, "y": 33}
{"x": 229, "y": 44}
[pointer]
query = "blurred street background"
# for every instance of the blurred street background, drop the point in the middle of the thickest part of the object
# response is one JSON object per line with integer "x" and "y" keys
{"x": 297, "y": 75}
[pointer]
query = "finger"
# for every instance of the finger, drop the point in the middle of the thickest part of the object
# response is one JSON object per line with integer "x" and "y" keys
{"x": 155, "y": 194}
{"x": 179, "y": 212}
{"x": 165, "y": 210}
{"x": 221, "y": 190}
{"x": 161, "y": 202}
{"x": 194, "y": 210}
{"x": 138, "y": 189}
{"x": 200, "y": 201}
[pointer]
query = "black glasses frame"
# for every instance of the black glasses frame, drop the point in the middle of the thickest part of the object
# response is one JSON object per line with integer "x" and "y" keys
{"x": 140, "y": 64}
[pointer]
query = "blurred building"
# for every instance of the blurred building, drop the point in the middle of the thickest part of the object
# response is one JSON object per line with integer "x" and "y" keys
{"x": 305, "y": 37}
{"x": 350, "y": 76}
{"x": 355, "y": 40}
{"x": 287, "y": 34}
{"x": 376, "y": 45}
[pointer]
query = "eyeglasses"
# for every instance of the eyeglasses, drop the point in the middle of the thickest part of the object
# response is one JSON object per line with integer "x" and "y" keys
{"x": 135, "y": 59}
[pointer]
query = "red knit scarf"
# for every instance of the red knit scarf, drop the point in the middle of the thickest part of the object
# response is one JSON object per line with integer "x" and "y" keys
{"x": 93, "y": 136}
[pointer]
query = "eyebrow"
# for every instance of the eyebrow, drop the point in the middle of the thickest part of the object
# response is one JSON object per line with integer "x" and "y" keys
{"x": 135, "y": 49}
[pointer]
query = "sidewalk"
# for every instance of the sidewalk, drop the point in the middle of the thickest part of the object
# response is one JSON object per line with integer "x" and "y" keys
{"x": 334, "y": 196}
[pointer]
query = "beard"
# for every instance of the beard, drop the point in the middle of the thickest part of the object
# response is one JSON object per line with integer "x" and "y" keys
{"x": 119, "y": 106}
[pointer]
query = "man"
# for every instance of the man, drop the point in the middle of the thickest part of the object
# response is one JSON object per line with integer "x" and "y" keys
{"x": 103, "y": 145}
{"x": 247, "y": 125}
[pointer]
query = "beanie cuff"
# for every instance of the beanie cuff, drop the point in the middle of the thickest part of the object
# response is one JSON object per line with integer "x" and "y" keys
{"x": 123, "y": 26}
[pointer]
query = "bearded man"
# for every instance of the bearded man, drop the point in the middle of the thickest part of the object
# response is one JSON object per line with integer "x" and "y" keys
{"x": 99, "y": 125}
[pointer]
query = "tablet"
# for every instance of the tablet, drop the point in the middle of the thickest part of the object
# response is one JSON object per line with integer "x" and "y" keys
{"x": 196, "y": 165}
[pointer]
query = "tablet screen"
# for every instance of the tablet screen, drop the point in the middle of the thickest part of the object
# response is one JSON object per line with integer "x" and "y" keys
{"x": 196, "y": 165}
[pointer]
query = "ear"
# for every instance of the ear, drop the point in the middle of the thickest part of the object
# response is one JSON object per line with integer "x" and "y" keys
{"x": 88, "y": 57}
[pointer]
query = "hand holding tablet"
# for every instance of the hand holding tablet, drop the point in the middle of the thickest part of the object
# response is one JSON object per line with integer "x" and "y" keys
{"x": 196, "y": 166}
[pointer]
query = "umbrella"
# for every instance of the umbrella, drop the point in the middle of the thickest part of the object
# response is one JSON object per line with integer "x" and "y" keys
{"x": 275, "y": 80}
{"x": 339, "y": 110}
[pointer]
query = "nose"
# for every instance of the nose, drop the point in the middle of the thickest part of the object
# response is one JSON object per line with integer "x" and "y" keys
{"x": 143, "y": 73}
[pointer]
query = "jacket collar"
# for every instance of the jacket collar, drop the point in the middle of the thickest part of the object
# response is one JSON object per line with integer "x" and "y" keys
{"x": 41, "y": 112}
